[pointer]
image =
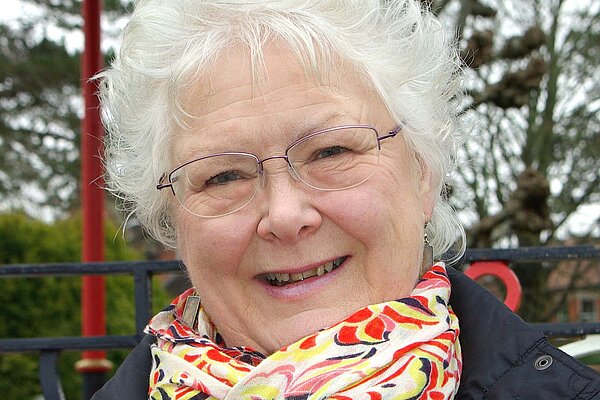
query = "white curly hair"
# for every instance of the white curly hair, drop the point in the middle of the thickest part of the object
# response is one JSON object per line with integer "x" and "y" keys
{"x": 399, "y": 47}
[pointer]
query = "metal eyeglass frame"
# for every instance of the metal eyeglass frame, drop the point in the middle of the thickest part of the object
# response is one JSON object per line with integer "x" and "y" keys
{"x": 162, "y": 185}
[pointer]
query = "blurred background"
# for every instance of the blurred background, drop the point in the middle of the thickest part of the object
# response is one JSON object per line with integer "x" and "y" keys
{"x": 527, "y": 175}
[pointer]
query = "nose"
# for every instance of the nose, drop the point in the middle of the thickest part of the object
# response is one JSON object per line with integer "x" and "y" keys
{"x": 287, "y": 210}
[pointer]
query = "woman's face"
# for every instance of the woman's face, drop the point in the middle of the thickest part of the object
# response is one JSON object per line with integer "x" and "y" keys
{"x": 375, "y": 228}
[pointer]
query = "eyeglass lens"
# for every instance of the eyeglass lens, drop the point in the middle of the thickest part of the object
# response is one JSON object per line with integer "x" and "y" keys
{"x": 334, "y": 159}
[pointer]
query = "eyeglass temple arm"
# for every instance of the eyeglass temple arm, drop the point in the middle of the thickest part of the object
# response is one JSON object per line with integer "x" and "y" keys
{"x": 390, "y": 134}
{"x": 161, "y": 185}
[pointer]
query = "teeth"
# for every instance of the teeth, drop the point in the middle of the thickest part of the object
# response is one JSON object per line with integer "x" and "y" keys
{"x": 310, "y": 273}
{"x": 297, "y": 277}
{"x": 283, "y": 279}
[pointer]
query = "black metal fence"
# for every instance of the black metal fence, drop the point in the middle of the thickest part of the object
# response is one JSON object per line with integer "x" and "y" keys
{"x": 142, "y": 272}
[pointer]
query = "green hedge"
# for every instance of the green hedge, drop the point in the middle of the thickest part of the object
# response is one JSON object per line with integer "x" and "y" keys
{"x": 50, "y": 306}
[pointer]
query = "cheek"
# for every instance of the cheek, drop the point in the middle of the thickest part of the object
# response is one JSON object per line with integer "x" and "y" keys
{"x": 384, "y": 214}
{"x": 353, "y": 211}
{"x": 378, "y": 204}
{"x": 206, "y": 243}
{"x": 361, "y": 215}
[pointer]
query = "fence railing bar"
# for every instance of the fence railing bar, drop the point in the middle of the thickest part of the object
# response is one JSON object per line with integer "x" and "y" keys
{"x": 559, "y": 253}
{"x": 49, "y": 378}
{"x": 94, "y": 268}
{"x": 143, "y": 300}
{"x": 127, "y": 342}
{"x": 567, "y": 328}
{"x": 129, "y": 267}
{"x": 67, "y": 343}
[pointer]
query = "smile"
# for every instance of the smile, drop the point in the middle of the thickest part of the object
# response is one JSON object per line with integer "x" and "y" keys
{"x": 286, "y": 279}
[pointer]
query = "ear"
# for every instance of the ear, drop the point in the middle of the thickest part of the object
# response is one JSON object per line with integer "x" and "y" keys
{"x": 427, "y": 188}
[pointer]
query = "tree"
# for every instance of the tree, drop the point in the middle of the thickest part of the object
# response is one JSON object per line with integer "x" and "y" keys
{"x": 530, "y": 163}
{"x": 38, "y": 121}
{"x": 41, "y": 105}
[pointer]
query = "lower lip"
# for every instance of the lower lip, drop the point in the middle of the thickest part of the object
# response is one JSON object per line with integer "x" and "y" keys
{"x": 302, "y": 289}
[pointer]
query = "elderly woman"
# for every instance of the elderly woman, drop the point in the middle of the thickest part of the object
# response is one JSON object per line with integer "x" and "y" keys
{"x": 294, "y": 153}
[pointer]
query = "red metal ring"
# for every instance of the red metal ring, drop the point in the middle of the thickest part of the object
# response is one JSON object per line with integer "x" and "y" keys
{"x": 501, "y": 271}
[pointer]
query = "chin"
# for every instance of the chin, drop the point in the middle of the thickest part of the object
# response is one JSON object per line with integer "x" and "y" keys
{"x": 307, "y": 323}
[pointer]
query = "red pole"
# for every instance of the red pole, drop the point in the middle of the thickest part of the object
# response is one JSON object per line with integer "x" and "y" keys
{"x": 94, "y": 364}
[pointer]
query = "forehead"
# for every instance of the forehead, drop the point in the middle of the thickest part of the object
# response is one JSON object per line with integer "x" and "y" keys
{"x": 241, "y": 101}
{"x": 237, "y": 75}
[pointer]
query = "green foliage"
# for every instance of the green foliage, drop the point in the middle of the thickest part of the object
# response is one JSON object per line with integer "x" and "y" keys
{"x": 41, "y": 307}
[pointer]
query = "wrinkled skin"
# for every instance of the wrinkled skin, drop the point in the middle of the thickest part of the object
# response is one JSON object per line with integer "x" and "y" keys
{"x": 289, "y": 226}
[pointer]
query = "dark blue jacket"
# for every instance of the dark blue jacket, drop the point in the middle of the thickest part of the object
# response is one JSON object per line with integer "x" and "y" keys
{"x": 503, "y": 358}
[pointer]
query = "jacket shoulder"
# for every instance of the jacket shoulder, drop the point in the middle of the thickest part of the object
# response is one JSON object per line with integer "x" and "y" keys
{"x": 504, "y": 358}
{"x": 131, "y": 380}
{"x": 546, "y": 372}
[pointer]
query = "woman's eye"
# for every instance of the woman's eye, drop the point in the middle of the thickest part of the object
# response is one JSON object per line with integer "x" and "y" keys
{"x": 330, "y": 151}
{"x": 224, "y": 178}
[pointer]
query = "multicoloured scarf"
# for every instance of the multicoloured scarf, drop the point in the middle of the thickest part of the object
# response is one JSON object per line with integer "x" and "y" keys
{"x": 403, "y": 349}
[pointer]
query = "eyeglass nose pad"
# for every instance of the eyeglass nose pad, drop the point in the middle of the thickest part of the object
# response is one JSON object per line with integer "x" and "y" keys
{"x": 262, "y": 179}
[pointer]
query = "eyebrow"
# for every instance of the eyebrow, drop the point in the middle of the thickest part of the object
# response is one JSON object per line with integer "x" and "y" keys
{"x": 299, "y": 129}
{"x": 305, "y": 128}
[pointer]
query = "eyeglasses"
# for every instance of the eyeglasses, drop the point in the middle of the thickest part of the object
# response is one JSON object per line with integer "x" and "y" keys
{"x": 331, "y": 159}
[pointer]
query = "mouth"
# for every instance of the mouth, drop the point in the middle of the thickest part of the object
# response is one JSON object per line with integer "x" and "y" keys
{"x": 288, "y": 279}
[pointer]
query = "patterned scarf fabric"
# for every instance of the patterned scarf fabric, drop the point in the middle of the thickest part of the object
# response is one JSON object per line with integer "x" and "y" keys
{"x": 403, "y": 349}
